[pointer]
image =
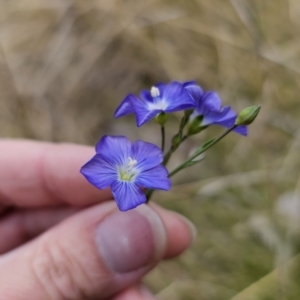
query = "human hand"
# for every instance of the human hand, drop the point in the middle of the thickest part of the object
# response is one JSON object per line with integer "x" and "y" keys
{"x": 61, "y": 238}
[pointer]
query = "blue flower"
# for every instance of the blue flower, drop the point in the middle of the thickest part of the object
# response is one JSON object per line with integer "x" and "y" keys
{"x": 126, "y": 168}
{"x": 161, "y": 98}
{"x": 209, "y": 108}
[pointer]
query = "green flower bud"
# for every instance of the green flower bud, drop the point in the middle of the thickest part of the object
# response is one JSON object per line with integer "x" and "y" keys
{"x": 195, "y": 126}
{"x": 161, "y": 118}
{"x": 183, "y": 122}
{"x": 176, "y": 140}
{"x": 247, "y": 115}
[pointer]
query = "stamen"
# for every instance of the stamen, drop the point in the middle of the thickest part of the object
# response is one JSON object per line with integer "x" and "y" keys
{"x": 131, "y": 163}
{"x": 128, "y": 173}
{"x": 154, "y": 92}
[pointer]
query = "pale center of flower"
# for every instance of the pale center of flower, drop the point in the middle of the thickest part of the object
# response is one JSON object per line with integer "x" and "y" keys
{"x": 158, "y": 102}
{"x": 154, "y": 92}
{"x": 127, "y": 172}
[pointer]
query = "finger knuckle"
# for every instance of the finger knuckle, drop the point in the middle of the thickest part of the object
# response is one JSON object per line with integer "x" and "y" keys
{"x": 59, "y": 272}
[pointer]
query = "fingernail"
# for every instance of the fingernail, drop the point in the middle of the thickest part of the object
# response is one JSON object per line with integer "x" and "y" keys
{"x": 191, "y": 227}
{"x": 131, "y": 240}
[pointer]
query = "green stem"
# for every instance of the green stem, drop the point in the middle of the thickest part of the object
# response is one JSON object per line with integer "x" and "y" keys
{"x": 184, "y": 138}
{"x": 162, "y": 129}
{"x": 172, "y": 149}
{"x": 183, "y": 123}
{"x": 149, "y": 192}
{"x": 167, "y": 157}
{"x": 184, "y": 164}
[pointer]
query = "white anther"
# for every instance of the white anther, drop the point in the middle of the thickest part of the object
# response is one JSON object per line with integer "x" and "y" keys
{"x": 131, "y": 163}
{"x": 154, "y": 92}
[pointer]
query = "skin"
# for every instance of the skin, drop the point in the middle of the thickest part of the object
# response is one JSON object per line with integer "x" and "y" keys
{"x": 49, "y": 215}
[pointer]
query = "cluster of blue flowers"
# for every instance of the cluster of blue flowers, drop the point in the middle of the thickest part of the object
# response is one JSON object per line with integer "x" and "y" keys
{"x": 128, "y": 169}
{"x": 177, "y": 96}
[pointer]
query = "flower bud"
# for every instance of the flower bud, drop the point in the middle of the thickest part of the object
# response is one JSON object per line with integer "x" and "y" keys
{"x": 195, "y": 126}
{"x": 176, "y": 140}
{"x": 161, "y": 118}
{"x": 247, "y": 115}
{"x": 183, "y": 122}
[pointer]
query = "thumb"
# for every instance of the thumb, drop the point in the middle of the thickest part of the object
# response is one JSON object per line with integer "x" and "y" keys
{"x": 95, "y": 253}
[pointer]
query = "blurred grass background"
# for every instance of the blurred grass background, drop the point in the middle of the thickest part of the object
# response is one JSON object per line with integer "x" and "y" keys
{"x": 66, "y": 65}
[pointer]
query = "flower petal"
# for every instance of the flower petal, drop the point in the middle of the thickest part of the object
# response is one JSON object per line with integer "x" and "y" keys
{"x": 211, "y": 102}
{"x": 171, "y": 90}
{"x": 196, "y": 92}
{"x": 177, "y": 97}
{"x": 146, "y": 96}
{"x": 155, "y": 178}
{"x": 225, "y": 117}
{"x": 161, "y": 86}
{"x": 127, "y": 195}
{"x": 99, "y": 173}
{"x": 126, "y": 108}
{"x": 146, "y": 154}
{"x": 143, "y": 113}
{"x": 114, "y": 149}
{"x": 243, "y": 130}
{"x": 183, "y": 102}
{"x": 189, "y": 83}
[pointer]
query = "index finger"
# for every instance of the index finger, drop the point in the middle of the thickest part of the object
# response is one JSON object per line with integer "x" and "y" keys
{"x": 40, "y": 174}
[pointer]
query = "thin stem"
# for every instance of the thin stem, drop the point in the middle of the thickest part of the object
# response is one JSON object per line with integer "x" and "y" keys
{"x": 172, "y": 149}
{"x": 184, "y": 138}
{"x": 183, "y": 123}
{"x": 167, "y": 157}
{"x": 180, "y": 167}
{"x": 149, "y": 192}
{"x": 162, "y": 130}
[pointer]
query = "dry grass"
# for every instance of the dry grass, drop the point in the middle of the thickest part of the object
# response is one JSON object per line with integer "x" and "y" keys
{"x": 65, "y": 66}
